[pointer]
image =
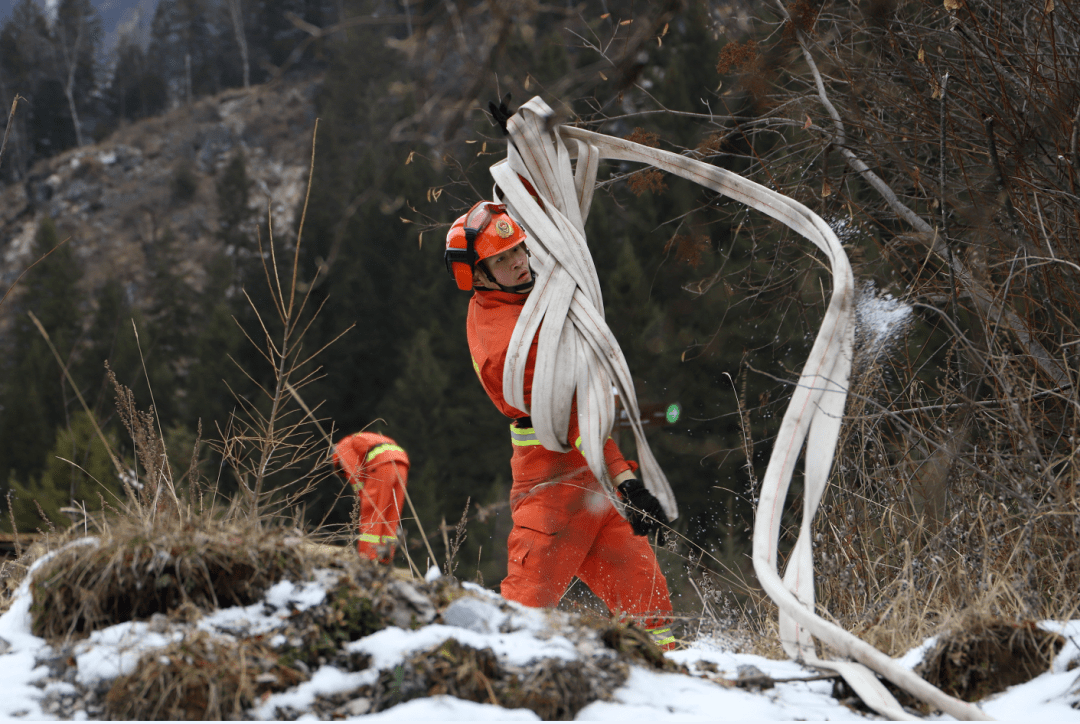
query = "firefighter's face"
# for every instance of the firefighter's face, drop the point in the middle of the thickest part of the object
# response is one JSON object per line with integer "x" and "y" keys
{"x": 510, "y": 268}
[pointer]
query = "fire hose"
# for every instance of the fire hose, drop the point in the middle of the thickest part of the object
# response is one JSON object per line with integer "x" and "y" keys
{"x": 578, "y": 354}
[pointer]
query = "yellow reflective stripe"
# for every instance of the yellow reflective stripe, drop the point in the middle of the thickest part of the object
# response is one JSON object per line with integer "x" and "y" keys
{"x": 662, "y": 636}
{"x": 523, "y": 436}
{"x": 369, "y": 538}
{"x": 379, "y": 450}
{"x": 577, "y": 443}
{"x": 357, "y": 486}
{"x": 476, "y": 367}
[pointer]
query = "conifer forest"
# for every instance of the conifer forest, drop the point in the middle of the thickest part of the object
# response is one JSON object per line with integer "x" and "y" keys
{"x": 938, "y": 139}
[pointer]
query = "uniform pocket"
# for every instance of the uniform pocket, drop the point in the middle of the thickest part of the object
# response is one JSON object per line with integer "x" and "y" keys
{"x": 539, "y": 517}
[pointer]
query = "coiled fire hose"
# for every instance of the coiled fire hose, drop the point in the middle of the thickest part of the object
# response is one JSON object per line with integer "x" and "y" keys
{"x": 578, "y": 353}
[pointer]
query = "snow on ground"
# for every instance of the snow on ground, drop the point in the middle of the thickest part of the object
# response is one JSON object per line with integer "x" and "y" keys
{"x": 479, "y": 622}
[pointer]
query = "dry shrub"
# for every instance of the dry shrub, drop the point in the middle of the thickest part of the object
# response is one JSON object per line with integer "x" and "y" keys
{"x": 688, "y": 249}
{"x": 645, "y": 138}
{"x": 199, "y": 678}
{"x": 651, "y": 179}
{"x": 737, "y": 55}
{"x": 985, "y": 655}
{"x": 137, "y": 570}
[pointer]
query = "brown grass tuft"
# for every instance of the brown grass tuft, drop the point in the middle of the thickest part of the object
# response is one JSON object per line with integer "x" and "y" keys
{"x": 137, "y": 570}
{"x": 200, "y": 678}
{"x": 985, "y": 654}
{"x": 554, "y": 689}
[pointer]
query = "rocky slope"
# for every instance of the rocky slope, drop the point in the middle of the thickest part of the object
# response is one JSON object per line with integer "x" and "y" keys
{"x": 115, "y": 199}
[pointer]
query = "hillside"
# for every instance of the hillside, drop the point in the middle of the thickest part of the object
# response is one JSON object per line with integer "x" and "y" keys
{"x": 115, "y": 199}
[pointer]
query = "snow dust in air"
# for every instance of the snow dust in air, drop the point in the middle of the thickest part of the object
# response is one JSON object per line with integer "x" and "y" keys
{"x": 881, "y": 322}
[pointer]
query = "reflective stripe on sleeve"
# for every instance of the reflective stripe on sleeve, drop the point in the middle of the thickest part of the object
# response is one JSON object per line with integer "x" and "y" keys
{"x": 380, "y": 449}
{"x": 369, "y": 538}
{"x": 523, "y": 436}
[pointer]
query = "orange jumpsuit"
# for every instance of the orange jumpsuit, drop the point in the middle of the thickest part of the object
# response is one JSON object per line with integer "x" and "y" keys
{"x": 564, "y": 525}
{"x": 378, "y": 469}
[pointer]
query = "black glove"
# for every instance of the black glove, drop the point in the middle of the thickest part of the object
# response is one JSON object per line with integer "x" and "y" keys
{"x": 501, "y": 113}
{"x": 643, "y": 510}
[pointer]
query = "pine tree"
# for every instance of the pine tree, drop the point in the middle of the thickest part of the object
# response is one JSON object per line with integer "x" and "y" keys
{"x": 78, "y": 473}
{"x": 34, "y": 400}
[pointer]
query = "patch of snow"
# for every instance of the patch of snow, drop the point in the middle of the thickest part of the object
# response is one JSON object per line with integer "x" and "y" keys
{"x": 391, "y": 645}
{"x": 326, "y": 680}
{"x": 115, "y": 651}
{"x": 447, "y": 708}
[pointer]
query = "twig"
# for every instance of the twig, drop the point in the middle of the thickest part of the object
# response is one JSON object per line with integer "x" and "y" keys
{"x": 11, "y": 117}
{"x": 41, "y": 259}
{"x": 67, "y": 375}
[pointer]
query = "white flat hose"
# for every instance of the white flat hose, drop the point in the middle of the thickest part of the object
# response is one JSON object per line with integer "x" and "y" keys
{"x": 577, "y": 352}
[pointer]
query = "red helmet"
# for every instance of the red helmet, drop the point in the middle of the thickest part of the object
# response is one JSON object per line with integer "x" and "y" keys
{"x": 485, "y": 231}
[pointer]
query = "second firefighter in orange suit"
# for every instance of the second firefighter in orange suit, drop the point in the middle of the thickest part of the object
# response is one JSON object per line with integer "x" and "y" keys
{"x": 564, "y": 525}
{"x": 378, "y": 469}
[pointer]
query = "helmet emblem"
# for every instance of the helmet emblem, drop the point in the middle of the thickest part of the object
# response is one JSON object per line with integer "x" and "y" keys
{"x": 504, "y": 228}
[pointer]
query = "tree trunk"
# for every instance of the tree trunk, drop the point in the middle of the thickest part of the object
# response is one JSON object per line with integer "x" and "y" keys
{"x": 238, "y": 28}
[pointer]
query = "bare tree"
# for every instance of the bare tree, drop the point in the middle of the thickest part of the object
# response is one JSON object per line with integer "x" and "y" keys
{"x": 236, "y": 12}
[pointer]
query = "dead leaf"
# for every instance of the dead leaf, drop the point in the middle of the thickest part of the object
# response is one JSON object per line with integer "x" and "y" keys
{"x": 952, "y": 4}
{"x": 626, "y": 22}
{"x": 603, "y": 76}
{"x": 483, "y": 149}
{"x": 922, "y": 55}
{"x": 404, "y": 220}
{"x": 826, "y": 189}
{"x": 420, "y": 245}
{"x": 409, "y": 159}
{"x": 605, "y": 16}
{"x": 662, "y": 34}
{"x": 808, "y": 123}
{"x": 527, "y": 79}
{"x": 1049, "y": 6}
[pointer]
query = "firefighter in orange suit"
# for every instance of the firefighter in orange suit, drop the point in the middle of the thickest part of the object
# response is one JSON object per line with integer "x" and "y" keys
{"x": 377, "y": 468}
{"x": 564, "y": 524}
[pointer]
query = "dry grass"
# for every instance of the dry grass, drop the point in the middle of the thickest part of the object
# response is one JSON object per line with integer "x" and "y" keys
{"x": 137, "y": 570}
{"x": 200, "y": 678}
{"x": 983, "y": 655}
{"x": 555, "y": 689}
